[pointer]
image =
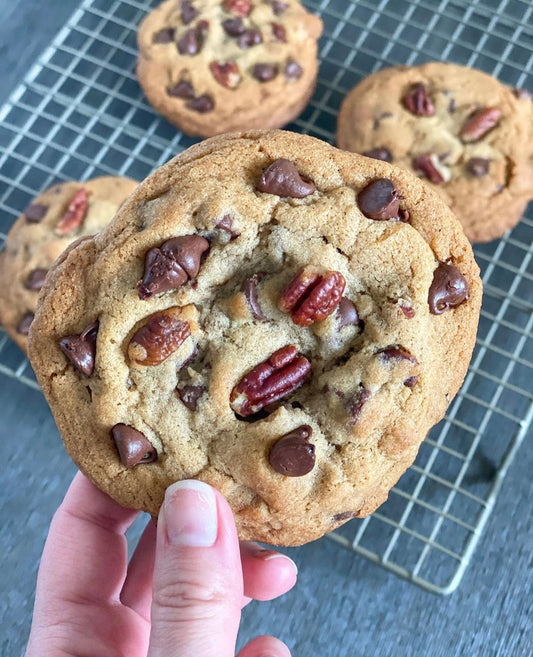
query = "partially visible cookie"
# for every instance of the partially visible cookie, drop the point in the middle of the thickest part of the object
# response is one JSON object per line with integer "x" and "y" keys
{"x": 47, "y": 226}
{"x": 279, "y": 318}
{"x": 213, "y": 66}
{"x": 467, "y": 134}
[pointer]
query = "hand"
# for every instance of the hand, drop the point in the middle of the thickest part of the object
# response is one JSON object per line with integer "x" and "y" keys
{"x": 180, "y": 595}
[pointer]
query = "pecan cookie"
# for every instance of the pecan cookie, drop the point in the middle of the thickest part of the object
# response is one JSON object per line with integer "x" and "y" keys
{"x": 279, "y": 318}
{"x": 467, "y": 134}
{"x": 212, "y": 66}
{"x": 47, "y": 226}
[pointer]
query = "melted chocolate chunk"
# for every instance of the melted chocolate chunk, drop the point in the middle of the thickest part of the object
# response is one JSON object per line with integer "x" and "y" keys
{"x": 182, "y": 89}
{"x": 410, "y": 382}
{"x": 35, "y": 212}
{"x": 448, "y": 290}
{"x": 347, "y": 313}
{"x": 190, "y": 395}
{"x": 202, "y": 104}
{"x": 379, "y": 200}
{"x": 166, "y": 35}
{"x": 249, "y": 38}
{"x": 188, "y": 12}
{"x": 81, "y": 349}
{"x": 189, "y": 43}
{"x": 293, "y": 70}
{"x": 478, "y": 166}
{"x": 264, "y": 72}
{"x": 226, "y": 224}
{"x": 293, "y": 455}
{"x": 345, "y": 515}
{"x": 249, "y": 289}
{"x": 133, "y": 446}
{"x": 23, "y": 327}
{"x": 379, "y": 154}
{"x": 357, "y": 402}
{"x": 234, "y": 27}
{"x": 35, "y": 280}
{"x": 282, "y": 178}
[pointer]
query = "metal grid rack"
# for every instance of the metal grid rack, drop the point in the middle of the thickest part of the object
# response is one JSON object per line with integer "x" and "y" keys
{"x": 80, "y": 113}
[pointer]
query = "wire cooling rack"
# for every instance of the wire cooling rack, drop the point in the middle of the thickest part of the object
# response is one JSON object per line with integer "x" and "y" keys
{"x": 80, "y": 113}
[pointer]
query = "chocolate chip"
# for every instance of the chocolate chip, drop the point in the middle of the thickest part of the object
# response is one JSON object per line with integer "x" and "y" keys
{"x": 189, "y": 44}
{"x": 182, "y": 89}
{"x": 133, "y": 446}
{"x": 188, "y": 12}
{"x": 81, "y": 349}
{"x": 410, "y": 382}
{"x": 347, "y": 313}
{"x": 190, "y": 395}
{"x": 282, "y": 178}
{"x": 249, "y": 289}
{"x": 345, "y": 515}
{"x": 234, "y": 27}
{"x": 293, "y": 70}
{"x": 226, "y": 224}
{"x": 357, "y": 402}
{"x": 396, "y": 352}
{"x": 448, "y": 289}
{"x": 521, "y": 94}
{"x": 279, "y": 32}
{"x": 403, "y": 216}
{"x": 379, "y": 154}
{"x": 293, "y": 455}
{"x": 202, "y": 104}
{"x": 35, "y": 212}
{"x": 172, "y": 264}
{"x": 452, "y": 106}
{"x": 417, "y": 101}
{"x": 379, "y": 200}
{"x": 35, "y": 280}
{"x": 478, "y": 166}
{"x": 249, "y": 38}
{"x": 166, "y": 35}
{"x": 23, "y": 327}
{"x": 264, "y": 72}
{"x": 278, "y": 7}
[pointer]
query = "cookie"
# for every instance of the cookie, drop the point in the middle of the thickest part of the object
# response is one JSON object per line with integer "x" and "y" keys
{"x": 213, "y": 66}
{"x": 276, "y": 317}
{"x": 47, "y": 226}
{"x": 469, "y": 136}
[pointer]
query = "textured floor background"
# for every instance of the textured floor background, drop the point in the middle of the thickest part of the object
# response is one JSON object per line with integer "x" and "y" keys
{"x": 342, "y": 604}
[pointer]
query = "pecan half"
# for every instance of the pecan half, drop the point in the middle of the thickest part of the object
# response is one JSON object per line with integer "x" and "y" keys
{"x": 226, "y": 73}
{"x": 432, "y": 169}
{"x": 396, "y": 352}
{"x": 159, "y": 337}
{"x": 418, "y": 101}
{"x": 480, "y": 123}
{"x": 277, "y": 377}
{"x": 279, "y": 32}
{"x": 238, "y": 7}
{"x": 74, "y": 215}
{"x": 311, "y": 297}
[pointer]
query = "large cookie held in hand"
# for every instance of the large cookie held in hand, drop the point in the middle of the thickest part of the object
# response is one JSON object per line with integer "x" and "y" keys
{"x": 213, "y": 66}
{"x": 469, "y": 136}
{"x": 279, "y": 318}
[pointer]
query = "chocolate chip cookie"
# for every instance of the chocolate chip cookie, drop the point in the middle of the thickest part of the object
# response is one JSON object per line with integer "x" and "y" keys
{"x": 212, "y": 66}
{"x": 469, "y": 136}
{"x": 269, "y": 314}
{"x": 47, "y": 226}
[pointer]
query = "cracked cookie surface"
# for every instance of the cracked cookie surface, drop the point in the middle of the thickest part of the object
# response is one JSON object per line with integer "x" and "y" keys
{"x": 47, "y": 226}
{"x": 288, "y": 349}
{"x": 468, "y": 135}
{"x": 213, "y": 66}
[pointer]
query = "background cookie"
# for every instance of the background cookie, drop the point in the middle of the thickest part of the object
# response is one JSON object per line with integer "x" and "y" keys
{"x": 265, "y": 314}
{"x": 47, "y": 226}
{"x": 463, "y": 131}
{"x": 213, "y": 66}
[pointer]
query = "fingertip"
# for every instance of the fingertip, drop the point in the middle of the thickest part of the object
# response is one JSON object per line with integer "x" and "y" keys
{"x": 265, "y": 646}
{"x": 267, "y": 574}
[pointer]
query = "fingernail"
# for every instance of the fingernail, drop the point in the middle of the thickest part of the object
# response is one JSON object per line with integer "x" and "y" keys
{"x": 190, "y": 510}
{"x": 277, "y": 555}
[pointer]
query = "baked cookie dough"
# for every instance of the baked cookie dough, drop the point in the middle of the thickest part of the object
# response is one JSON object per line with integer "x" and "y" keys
{"x": 47, "y": 226}
{"x": 281, "y": 319}
{"x": 213, "y": 66}
{"x": 469, "y": 136}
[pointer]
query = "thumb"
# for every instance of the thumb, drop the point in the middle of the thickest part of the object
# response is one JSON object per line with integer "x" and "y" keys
{"x": 198, "y": 582}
